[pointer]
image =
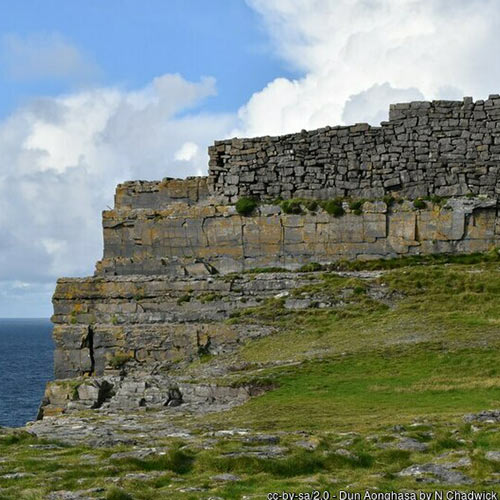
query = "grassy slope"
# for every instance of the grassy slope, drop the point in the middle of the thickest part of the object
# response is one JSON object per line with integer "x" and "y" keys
{"x": 435, "y": 352}
{"x": 422, "y": 362}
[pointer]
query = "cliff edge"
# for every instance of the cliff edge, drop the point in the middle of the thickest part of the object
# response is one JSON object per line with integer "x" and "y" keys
{"x": 178, "y": 253}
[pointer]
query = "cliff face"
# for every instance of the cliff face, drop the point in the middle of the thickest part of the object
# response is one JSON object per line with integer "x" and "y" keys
{"x": 184, "y": 239}
{"x": 164, "y": 294}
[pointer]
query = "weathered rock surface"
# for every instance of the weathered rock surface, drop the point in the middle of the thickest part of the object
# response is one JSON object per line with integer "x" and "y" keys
{"x": 494, "y": 456}
{"x": 436, "y": 473}
{"x": 202, "y": 240}
{"x": 489, "y": 416}
{"x": 129, "y": 392}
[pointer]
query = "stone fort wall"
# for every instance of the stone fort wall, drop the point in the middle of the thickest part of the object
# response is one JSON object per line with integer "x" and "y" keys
{"x": 447, "y": 148}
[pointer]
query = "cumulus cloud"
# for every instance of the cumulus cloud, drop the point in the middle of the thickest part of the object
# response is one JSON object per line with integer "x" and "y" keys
{"x": 45, "y": 56}
{"x": 63, "y": 156}
{"x": 372, "y": 104}
{"x": 356, "y": 53}
{"x": 187, "y": 151}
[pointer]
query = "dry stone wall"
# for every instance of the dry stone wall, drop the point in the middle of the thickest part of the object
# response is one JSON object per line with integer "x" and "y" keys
{"x": 157, "y": 195}
{"x": 447, "y": 148}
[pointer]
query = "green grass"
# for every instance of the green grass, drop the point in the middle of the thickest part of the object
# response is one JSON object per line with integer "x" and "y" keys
{"x": 434, "y": 352}
{"x": 175, "y": 460}
{"x": 246, "y": 206}
{"x": 117, "y": 494}
{"x": 419, "y": 204}
{"x": 333, "y": 207}
{"x": 361, "y": 391}
{"x": 341, "y": 377}
{"x": 292, "y": 206}
{"x": 356, "y": 206}
{"x": 415, "y": 260}
{"x": 454, "y": 306}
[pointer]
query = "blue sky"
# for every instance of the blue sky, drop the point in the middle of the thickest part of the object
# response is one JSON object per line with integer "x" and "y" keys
{"x": 131, "y": 42}
{"x": 96, "y": 92}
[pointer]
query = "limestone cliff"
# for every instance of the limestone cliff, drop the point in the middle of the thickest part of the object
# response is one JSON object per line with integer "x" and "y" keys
{"x": 174, "y": 250}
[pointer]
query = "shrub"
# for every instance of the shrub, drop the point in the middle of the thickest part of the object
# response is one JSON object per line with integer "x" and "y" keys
{"x": 311, "y": 205}
{"x": 388, "y": 200}
{"x": 245, "y": 206}
{"x": 291, "y": 206}
{"x": 419, "y": 204}
{"x": 356, "y": 206}
{"x": 334, "y": 207}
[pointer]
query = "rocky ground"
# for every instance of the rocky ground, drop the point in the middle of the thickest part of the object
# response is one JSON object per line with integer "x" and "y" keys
{"x": 167, "y": 454}
{"x": 381, "y": 379}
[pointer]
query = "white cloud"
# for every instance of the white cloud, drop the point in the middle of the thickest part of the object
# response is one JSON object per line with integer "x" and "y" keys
{"x": 187, "y": 151}
{"x": 371, "y": 105}
{"x": 349, "y": 48}
{"x": 62, "y": 158}
{"x": 45, "y": 56}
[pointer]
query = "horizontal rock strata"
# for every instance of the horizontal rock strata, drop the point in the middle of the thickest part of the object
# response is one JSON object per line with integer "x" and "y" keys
{"x": 205, "y": 239}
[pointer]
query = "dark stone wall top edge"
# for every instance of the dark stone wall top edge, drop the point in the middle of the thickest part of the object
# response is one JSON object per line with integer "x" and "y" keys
{"x": 140, "y": 183}
{"x": 410, "y": 106}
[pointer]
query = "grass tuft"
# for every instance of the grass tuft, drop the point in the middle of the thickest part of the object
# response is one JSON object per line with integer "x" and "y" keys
{"x": 334, "y": 207}
{"x": 115, "y": 493}
{"x": 292, "y": 206}
{"x": 246, "y": 206}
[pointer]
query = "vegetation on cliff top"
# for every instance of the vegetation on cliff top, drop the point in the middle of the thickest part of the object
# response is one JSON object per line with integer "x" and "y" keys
{"x": 377, "y": 381}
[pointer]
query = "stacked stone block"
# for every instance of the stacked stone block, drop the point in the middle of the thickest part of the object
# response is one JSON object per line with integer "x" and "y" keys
{"x": 446, "y": 148}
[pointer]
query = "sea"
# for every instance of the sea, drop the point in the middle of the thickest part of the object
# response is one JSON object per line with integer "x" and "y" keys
{"x": 26, "y": 365}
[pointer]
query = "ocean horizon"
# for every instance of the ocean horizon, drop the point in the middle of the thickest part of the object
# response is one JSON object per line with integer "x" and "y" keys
{"x": 26, "y": 366}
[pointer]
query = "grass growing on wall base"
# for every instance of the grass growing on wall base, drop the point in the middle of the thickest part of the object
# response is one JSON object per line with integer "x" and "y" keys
{"x": 246, "y": 206}
{"x": 291, "y": 206}
{"x": 334, "y": 207}
{"x": 419, "y": 204}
